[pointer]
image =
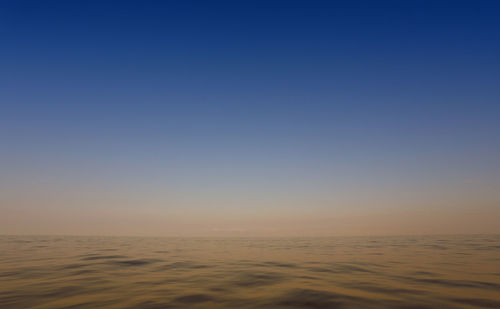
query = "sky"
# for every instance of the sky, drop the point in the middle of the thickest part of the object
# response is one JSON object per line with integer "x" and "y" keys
{"x": 249, "y": 118}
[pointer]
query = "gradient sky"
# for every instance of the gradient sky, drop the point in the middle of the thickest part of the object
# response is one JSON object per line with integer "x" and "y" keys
{"x": 249, "y": 117}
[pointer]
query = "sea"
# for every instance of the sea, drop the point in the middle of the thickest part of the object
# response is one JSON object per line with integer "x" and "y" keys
{"x": 440, "y": 271}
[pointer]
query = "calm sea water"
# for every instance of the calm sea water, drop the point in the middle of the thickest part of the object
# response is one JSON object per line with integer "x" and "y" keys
{"x": 349, "y": 272}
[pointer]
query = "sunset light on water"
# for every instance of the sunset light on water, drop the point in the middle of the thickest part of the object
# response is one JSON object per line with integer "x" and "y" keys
{"x": 249, "y": 154}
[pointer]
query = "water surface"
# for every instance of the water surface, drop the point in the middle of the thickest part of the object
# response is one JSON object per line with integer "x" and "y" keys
{"x": 340, "y": 272}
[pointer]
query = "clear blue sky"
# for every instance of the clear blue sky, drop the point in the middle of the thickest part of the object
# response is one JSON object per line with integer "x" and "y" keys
{"x": 214, "y": 112}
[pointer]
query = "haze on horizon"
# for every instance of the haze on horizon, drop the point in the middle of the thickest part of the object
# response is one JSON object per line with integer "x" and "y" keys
{"x": 186, "y": 118}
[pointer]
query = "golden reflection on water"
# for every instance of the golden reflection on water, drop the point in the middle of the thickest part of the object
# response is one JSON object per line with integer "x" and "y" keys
{"x": 342, "y": 272}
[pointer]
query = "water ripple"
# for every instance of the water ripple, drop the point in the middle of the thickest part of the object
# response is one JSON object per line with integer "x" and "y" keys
{"x": 350, "y": 272}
